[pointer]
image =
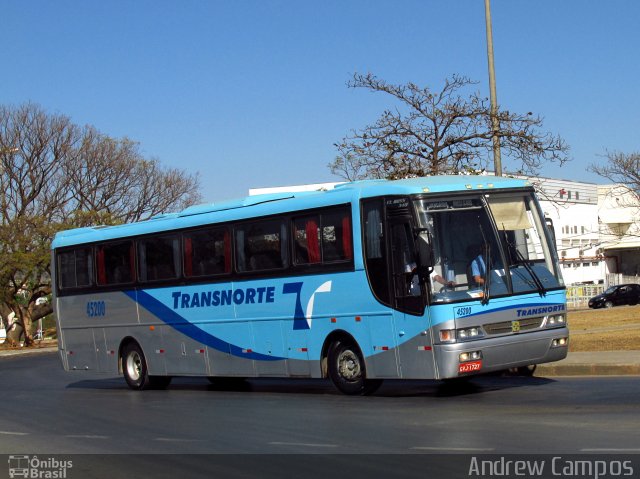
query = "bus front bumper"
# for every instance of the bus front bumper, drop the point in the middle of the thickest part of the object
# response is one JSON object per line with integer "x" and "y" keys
{"x": 500, "y": 353}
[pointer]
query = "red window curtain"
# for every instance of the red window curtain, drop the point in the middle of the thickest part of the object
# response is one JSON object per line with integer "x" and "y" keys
{"x": 313, "y": 244}
{"x": 188, "y": 257}
{"x": 102, "y": 274}
{"x": 346, "y": 237}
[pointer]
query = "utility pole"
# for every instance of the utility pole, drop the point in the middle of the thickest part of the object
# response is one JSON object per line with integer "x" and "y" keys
{"x": 495, "y": 126}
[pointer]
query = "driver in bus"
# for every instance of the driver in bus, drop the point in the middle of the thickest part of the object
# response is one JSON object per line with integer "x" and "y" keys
{"x": 478, "y": 266}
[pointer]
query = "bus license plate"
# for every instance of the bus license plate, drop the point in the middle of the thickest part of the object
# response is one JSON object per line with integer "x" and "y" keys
{"x": 470, "y": 367}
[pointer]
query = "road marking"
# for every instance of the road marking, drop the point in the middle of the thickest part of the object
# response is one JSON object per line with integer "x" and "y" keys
{"x": 609, "y": 450}
{"x": 461, "y": 449}
{"x": 174, "y": 439}
{"x": 14, "y": 433}
{"x": 304, "y": 444}
{"x": 86, "y": 436}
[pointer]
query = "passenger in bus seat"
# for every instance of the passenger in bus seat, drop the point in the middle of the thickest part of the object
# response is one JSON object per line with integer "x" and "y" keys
{"x": 209, "y": 265}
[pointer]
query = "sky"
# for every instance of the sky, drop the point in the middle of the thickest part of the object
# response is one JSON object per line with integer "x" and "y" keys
{"x": 252, "y": 93}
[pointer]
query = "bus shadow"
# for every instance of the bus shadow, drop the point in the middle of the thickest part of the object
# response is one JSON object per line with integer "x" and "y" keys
{"x": 266, "y": 385}
{"x": 102, "y": 383}
{"x": 473, "y": 386}
{"x": 390, "y": 388}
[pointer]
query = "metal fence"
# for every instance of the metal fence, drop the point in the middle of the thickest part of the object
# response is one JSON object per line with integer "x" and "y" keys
{"x": 614, "y": 279}
{"x": 578, "y": 296}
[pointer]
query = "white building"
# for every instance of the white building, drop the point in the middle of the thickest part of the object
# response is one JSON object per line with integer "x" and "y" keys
{"x": 619, "y": 221}
{"x": 572, "y": 208}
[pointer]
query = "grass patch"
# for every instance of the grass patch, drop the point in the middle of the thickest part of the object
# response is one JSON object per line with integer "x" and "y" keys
{"x": 594, "y": 318}
{"x": 615, "y": 329}
{"x": 605, "y": 341}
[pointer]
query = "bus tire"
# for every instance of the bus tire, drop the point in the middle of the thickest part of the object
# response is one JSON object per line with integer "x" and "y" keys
{"x": 347, "y": 370}
{"x": 134, "y": 367}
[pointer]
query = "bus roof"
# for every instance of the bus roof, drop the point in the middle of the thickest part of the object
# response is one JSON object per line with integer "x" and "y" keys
{"x": 285, "y": 201}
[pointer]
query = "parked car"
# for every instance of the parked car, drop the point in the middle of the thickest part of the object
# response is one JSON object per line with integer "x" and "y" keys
{"x": 617, "y": 295}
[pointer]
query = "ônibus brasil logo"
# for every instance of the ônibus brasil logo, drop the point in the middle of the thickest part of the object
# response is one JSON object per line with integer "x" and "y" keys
{"x": 38, "y": 468}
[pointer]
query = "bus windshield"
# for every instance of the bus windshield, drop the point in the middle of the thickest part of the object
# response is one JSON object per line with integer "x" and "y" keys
{"x": 526, "y": 243}
{"x": 475, "y": 259}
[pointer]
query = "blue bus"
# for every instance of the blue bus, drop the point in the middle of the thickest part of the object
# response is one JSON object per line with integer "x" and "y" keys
{"x": 423, "y": 278}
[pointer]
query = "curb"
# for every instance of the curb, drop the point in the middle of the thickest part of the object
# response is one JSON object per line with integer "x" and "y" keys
{"x": 588, "y": 370}
{"x": 602, "y": 363}
{"x": 7, "y": 353}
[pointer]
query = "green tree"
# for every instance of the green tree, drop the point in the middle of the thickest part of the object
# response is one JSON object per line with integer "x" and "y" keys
{"x": 56, "y": 175}
{"x": 441, "y": 132}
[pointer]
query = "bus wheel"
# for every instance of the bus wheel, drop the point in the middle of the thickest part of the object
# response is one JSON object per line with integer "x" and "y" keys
{"x": 346, "y": 370}
{"x": 134, "y": 366}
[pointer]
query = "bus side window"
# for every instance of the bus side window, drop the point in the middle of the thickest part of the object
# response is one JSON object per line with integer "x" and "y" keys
{"x": 115, "y": 263}
{"x": 375, "y": 249}
{"x": 403, "y": 257}
{"x": 323, "y": 238}
{"x": 159, "y": 258}
{"x": 262, "y": 246}
{"x": 207, "y": 252}
{"x": 75, "y": 268}
{"x": 336, "y": 236}
{"x": 307, "y": 240}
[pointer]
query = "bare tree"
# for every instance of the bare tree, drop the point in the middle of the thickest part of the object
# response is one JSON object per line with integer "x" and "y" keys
{"x": 118, "y": 185}
{"x": 623, "y": 169}
{"x": 56, "y": 175}
{"x": 440, "y": 132}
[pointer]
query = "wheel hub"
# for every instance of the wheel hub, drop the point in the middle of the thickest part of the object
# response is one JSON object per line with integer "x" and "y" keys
{"x": 134, "y": 366}
{"x": 349, "y": 365}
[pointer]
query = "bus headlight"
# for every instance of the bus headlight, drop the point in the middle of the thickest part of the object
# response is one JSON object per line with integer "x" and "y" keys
{"x": 469, "y": 333}
{"x": 448, "y": 335}
{"x": 559, "y": 342}
{"x": 557, "y": 320}
{"x": 463, "y": 334}
{"x": 470, "y": 356}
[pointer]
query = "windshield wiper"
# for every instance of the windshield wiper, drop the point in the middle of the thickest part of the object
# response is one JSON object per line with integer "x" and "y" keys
{"x": 487, "y": 275}
{"x": 487, "y": 266}
{"x": 536, "y": 279}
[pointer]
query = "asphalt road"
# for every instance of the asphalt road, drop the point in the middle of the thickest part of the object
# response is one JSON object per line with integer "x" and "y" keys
{"x": 46, "y": 410}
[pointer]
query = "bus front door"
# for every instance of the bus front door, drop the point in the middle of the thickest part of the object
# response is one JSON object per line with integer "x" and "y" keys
{"x": 415, "y": 353}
